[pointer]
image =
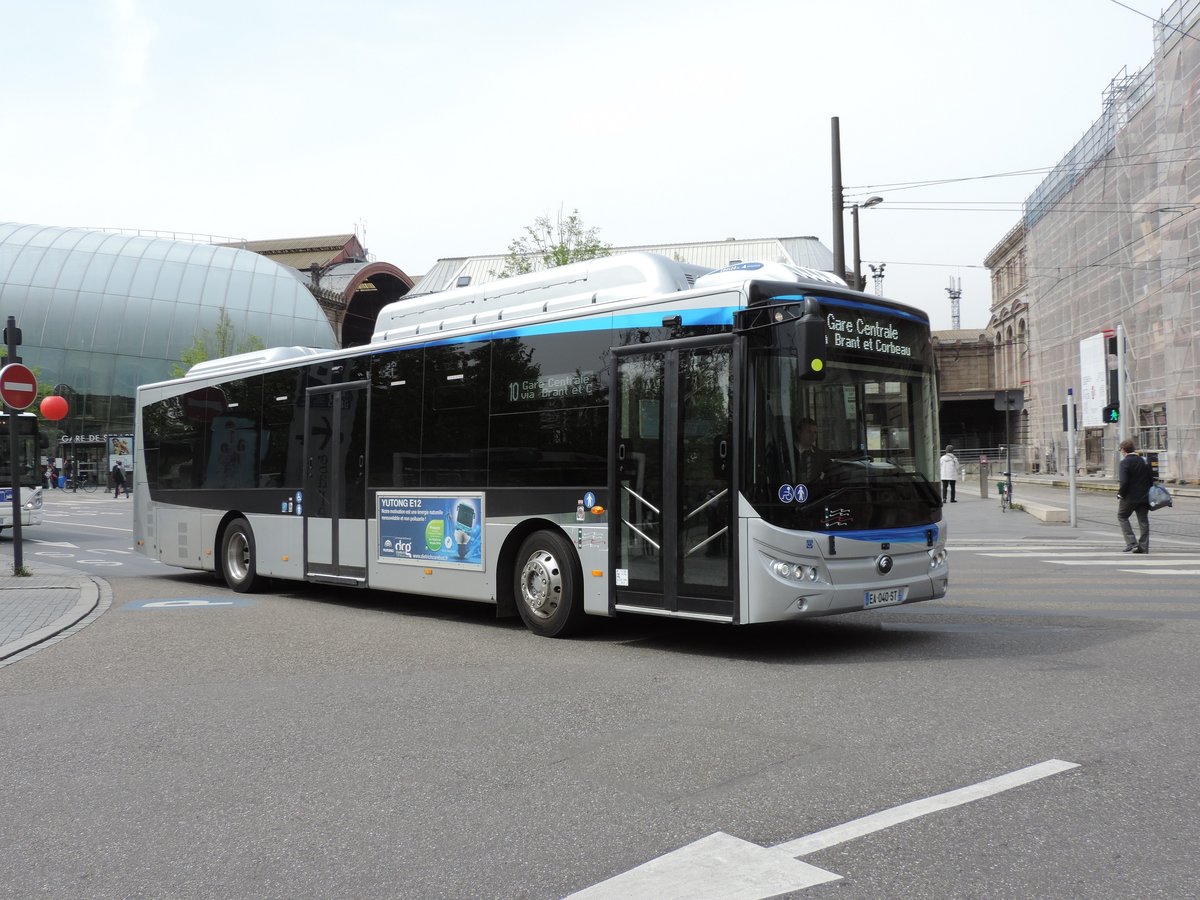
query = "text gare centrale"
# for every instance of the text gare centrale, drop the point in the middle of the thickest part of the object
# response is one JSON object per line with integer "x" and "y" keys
{"x": 866, "y": 335}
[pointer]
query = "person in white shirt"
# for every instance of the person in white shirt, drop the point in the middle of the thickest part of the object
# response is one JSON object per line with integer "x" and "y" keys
{"x": 950, "y": 471}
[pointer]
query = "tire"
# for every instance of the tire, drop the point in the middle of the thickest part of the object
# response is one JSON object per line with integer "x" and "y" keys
{"x": 238, "y": 557}
{"x": 548, "y": 585}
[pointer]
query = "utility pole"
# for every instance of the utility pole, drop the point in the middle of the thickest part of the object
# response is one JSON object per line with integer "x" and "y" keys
{"x": 839, "y": 230}
{"x": 955, "y": 292}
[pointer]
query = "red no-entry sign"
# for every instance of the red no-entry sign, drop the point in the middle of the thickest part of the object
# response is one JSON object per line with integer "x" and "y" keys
{"x": 18, "y": 387}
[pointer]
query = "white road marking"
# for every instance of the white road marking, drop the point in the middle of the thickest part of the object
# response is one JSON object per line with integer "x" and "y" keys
{"x": 54, "y": 543}
{"x": 723, "y": 867}
{"x": 1068, "y": 554}
{"x": 903, "y": 813}
{"x": 1124, "y": 560}
{"x": 76, "y": 524}
{"x": 1192, "y": 572}
{"x": 717, "y": 867}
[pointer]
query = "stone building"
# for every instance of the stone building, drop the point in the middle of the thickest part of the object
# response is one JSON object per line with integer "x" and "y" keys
{"x": 1109, "y": 244}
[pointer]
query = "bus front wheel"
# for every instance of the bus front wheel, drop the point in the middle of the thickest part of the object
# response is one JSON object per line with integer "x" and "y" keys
{"x": 548, "y": 585}
{"x": 238, "y": 557}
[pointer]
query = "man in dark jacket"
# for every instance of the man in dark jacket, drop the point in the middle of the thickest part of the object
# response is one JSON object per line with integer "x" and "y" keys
{"x": 118, "y": 475}
{"x": 1133, "y": 490}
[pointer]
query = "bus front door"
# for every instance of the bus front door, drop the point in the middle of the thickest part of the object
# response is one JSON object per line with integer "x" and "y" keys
{"x": 335, "y": 532}
{"x": 671, "y": 477}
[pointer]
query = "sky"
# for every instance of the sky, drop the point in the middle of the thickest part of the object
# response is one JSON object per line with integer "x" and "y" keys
{"x": 438, "y": 129}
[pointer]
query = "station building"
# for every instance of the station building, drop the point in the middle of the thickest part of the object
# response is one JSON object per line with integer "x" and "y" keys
{"x": 101, "y": 313}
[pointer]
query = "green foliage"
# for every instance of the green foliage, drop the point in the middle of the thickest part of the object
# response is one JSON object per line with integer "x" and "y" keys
{"x": 215, "y": 345}
{"x": 554, "y": 243}
{"x": 44, "y": 388}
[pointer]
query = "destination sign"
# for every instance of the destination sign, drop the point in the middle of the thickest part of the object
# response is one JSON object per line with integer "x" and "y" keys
{"x": 870, "y": 335}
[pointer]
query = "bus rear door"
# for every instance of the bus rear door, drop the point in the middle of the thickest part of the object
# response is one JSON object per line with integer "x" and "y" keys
{"x": 335, "y": 533}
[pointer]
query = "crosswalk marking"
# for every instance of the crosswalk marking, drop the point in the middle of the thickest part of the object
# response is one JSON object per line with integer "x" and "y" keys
{"x": 1094, "y": 551}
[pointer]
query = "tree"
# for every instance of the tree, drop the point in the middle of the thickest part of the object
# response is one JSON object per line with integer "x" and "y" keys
{"x": 554, "y": 243}
{"x": 214, "y": 345}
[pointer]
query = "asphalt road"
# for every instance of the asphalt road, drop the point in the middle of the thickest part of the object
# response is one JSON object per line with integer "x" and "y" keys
{"x": 333, "y": 743}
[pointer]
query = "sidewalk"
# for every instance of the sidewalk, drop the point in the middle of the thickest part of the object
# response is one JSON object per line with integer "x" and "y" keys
{"x": 37, "y": 608}
{"x": 1082, "y": 483}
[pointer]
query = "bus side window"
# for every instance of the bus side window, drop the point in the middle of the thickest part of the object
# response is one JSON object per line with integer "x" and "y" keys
{"x": 395, "y": 440}
{"x": 454, "y": 423}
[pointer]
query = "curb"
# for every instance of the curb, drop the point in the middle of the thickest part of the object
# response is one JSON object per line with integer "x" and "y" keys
{"x": 89, "y": 599}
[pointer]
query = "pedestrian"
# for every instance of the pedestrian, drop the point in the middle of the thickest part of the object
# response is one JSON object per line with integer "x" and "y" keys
{"x": 118, "y": 475}
{"x": 48, "y": 476}
{"x": 950, "y": 472}
{"x": 1134, "y": 478}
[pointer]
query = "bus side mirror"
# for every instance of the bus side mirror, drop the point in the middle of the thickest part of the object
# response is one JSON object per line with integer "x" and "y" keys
{"x": 810, "y": 347}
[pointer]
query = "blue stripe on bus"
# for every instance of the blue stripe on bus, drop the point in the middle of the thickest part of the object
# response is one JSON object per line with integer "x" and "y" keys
{"x": 856, "y": 304}
{"x": 717, "y": 315}
{"x": 917, "y": 534}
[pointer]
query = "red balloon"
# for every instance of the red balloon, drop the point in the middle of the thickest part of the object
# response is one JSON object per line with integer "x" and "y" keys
{"x": 54, "y": 407}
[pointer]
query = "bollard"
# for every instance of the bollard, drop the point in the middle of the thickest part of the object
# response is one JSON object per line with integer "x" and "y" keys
{"x": 983, "y": 477}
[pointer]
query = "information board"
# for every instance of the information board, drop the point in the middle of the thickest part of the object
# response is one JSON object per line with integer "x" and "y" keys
{"x": 430, "y": 529}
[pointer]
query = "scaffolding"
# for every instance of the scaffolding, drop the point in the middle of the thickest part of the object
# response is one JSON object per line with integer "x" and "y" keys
{"x": 1112, "y": 238}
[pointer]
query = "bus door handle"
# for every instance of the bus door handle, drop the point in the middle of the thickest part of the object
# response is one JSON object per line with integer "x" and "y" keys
{"x": 720, "y": 457}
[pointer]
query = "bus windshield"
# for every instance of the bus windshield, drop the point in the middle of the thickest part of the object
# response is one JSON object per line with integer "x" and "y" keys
{"x": 854, "y": 451}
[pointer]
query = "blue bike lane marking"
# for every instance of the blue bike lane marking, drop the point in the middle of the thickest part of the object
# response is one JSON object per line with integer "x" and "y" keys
{"x": 189, "y": 603}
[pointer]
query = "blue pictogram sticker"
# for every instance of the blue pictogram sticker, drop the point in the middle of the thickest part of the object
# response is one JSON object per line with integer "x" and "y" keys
{"x": 589, "y": 500}
{"x": 802, "y": 493}
{"x": 785, "y": 493}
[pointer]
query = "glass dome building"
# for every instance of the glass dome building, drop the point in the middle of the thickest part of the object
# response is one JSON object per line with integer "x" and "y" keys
{"x": 101, "y": 313}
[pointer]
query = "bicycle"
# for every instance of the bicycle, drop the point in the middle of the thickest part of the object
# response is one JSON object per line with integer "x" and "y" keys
{"x": 89, "y": 485}
{"x": 1005, "y": 496}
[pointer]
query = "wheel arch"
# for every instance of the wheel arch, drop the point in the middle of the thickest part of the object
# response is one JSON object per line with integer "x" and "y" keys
{"x": 219, "y": 537}
{"x": 506, "y": 562}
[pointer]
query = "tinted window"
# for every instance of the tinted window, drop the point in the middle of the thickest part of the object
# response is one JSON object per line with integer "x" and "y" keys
{"x": 455, "y": 422}
{"x": 395, "y": 459}
{"x": 231, "y": 446}
{"x": 173, "y": 445}
{"x": 549, "y": 410}
{"x": 281, "y": 446}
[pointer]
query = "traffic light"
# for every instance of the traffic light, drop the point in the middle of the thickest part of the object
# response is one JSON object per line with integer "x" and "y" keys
{"x": 1112, "y": 414}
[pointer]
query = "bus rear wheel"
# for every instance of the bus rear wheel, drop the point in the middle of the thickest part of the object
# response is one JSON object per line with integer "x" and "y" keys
{"x": 548, "y": 585}
{"x": 238, "y": 554}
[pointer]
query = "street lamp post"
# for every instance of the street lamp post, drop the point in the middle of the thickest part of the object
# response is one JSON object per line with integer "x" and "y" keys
{"x": 857, "y": 281}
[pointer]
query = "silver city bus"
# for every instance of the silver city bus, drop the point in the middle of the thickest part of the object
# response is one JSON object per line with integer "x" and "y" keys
{"x": 616, "y": 436}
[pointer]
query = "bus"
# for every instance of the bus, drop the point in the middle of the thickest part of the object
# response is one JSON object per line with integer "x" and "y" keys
{"x": 30, "y": 444}
{"x": 603, "y": 438}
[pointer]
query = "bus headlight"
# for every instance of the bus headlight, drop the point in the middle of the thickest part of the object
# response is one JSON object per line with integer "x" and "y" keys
{"x": 794, "y": 571}
{"x": 34, "y": 501}
{"x": 937, "y": 558}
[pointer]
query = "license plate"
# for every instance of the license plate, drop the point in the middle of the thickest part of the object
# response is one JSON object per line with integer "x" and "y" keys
{"x": 887, "y": 597}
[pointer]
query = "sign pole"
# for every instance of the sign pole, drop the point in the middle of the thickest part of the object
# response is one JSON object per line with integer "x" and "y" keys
{"x": 13, "y": 337}
{"x": 1071, "y": 452}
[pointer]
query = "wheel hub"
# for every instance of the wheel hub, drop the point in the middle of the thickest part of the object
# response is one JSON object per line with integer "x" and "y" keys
{"x": 541, "y": 584}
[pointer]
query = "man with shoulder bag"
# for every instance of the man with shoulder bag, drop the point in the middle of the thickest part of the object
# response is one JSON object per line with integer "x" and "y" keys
{"x": 1134, "y": 479}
